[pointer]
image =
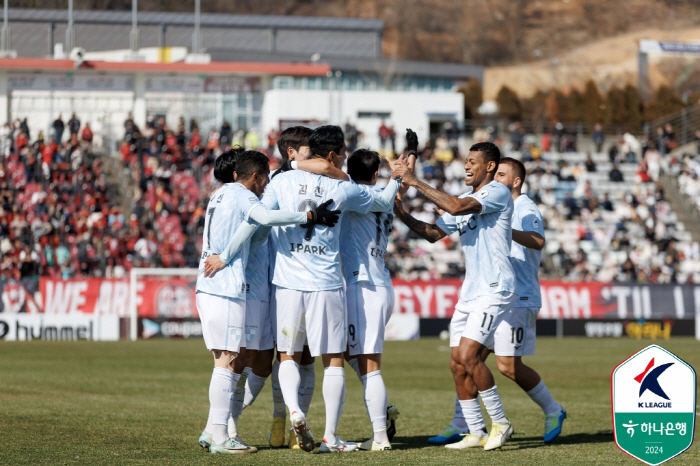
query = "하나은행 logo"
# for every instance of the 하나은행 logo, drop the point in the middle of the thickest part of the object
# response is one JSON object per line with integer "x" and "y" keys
{"x": 657, "y": 423}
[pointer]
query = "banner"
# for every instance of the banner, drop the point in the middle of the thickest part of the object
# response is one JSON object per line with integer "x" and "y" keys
{"x": 174, "y": 298}
{"x": 17, "y": 297}
{"x": 563, "y": 300}
{"x": 171, "y": 297}
{"x": 26, "y": 327}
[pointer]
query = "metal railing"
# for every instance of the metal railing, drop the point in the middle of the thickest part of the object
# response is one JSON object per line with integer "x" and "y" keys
{"x": 684, "y": 122}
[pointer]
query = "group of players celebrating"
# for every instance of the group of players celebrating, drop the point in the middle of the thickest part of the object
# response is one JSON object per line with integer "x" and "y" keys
{"x": 295, "y": 261}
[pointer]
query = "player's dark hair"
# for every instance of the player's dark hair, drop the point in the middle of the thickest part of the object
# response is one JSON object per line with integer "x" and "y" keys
{"x": 363, "y": 164}
{"x": 517, "y": 166}
{"x": 249, "y": 162}
{"x": 326, "y": 139}
{"x": 489, "y": 151}
{"x": 225, "y": 165}
{"x": 293, "y": 137}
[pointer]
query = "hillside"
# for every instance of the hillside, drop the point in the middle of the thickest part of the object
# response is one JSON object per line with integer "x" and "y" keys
{"x": 488, "y": 32}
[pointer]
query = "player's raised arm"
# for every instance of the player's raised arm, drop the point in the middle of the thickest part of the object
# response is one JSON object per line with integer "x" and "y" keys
{"x": 450, "y": 204}
{"x": 425, "y": 230}
{"x": 315, "y": 165}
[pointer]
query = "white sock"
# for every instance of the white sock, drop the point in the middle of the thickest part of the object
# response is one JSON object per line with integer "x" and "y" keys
{"x": 458, "y": 421}
{"x": 253, "y": 387}
{"x": 239, "y": 394}
{"x": 375, "y": 400}
{"x": 356, "y": 367}
{"x": 473, "y": 417}
{"x": 493, "y": 405}
{"x": 221, "y": 390}
{"x": 540, "y": 395}
{"x": 278, "y": 407}
{"x": 289, "y": 384}
{"x": 334, "y": 398}
{"x": 237, "y": 403}
{"x": 306, "y": 386}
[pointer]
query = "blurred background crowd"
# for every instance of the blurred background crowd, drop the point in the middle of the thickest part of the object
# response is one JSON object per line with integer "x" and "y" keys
{"x": 610, "y": 212}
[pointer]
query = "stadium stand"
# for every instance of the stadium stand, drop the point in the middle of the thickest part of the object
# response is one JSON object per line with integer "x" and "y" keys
{"x": 606, "y": 214}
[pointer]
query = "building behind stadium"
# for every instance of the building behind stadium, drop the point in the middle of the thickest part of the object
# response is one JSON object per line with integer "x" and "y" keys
{"x": 258, "y": 73}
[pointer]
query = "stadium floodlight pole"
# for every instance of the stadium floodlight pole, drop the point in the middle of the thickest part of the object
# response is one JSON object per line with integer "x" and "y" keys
{"x": 69, "y": 30}
{"x": 196, "y": 46}
{"x": 134, "y": 27}
{"x": 5, "y": 39}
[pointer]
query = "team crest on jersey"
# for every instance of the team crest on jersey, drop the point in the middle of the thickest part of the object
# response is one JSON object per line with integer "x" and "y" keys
{"x": 253, "y": 200}
{"x": 535, "y": 223}
{"x": 483, "y": 193}
{"x": 250, "y": 334}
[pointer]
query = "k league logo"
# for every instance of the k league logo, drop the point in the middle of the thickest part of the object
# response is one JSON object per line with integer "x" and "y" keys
{"x": 653, "y": 404}
{"x": 650, "y": 381}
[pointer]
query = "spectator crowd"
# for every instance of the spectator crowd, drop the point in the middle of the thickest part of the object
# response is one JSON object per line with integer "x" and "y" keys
{"x": 70, "y": 211}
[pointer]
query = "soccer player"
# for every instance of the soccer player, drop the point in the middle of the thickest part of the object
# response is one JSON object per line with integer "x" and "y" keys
{"x": 483, "y": 220}
{"x": 515, "y": 335}
{"x": 309, "y": 294}
{"x": 370, "y": 295}
{"x": 220, "y": 299}
{"x": 260, "y": 321}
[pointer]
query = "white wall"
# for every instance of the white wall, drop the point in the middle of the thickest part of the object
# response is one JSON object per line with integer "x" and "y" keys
{"x": 408, "y": 109}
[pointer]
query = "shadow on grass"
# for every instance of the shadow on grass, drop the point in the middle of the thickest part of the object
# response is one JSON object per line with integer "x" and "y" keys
{"x": 520, "y": 443}
{"x": 515, "y": 443}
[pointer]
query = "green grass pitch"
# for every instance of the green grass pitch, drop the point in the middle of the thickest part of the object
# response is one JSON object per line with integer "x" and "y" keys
{"x": 146, "y": 403}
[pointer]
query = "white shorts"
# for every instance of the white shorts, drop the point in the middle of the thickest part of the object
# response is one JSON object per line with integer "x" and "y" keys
{"x": 480, "y": 322}
{"x": 315, "y": 317}
{"x": 223, "y": 321}
{"x": 273, "y": 312}
{"x": 258, "y": 328}
{"x": 516, "y": 334}
{"x": 369, "y": 310}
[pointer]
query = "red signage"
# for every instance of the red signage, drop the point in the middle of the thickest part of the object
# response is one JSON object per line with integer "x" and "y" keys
{"x": 174, "y": 297}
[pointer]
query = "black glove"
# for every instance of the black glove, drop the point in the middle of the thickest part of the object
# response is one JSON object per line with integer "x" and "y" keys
{"x": 411, "y": 140}
{"x": 284, "y": 167}
{"x": 323, "y": 216}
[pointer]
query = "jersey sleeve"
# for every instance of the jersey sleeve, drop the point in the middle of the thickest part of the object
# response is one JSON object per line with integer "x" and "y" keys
{"x": 492, "y": 198}
{"x": 270, "y": 199}
{"x": 349, "y": 196}
{"x": 262, "y": 216}
{"x": 447, "y": 223}
{"x": 532, "y": 221}
{"x": 243, "y": 233}
{"x": 385, "y": 200}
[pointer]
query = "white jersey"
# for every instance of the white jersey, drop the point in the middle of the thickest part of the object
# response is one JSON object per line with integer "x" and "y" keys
{"x": 256, "y": 274}
{"x": 363, "y": 242}
{"x": 485, "y": 239}
{"x": 227, "y": 209}
{"x": 308, "y": 257}
{"x": 526, "y": 262}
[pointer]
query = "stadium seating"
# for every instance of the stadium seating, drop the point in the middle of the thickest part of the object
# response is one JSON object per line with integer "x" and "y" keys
{"x": 60, "y": 205}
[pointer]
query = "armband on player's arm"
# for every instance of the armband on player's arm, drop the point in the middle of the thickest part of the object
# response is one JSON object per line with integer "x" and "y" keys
{"x": 384, "y": 201}
{"x": 529, "y": 239}
{"x": 320, "y": 167}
